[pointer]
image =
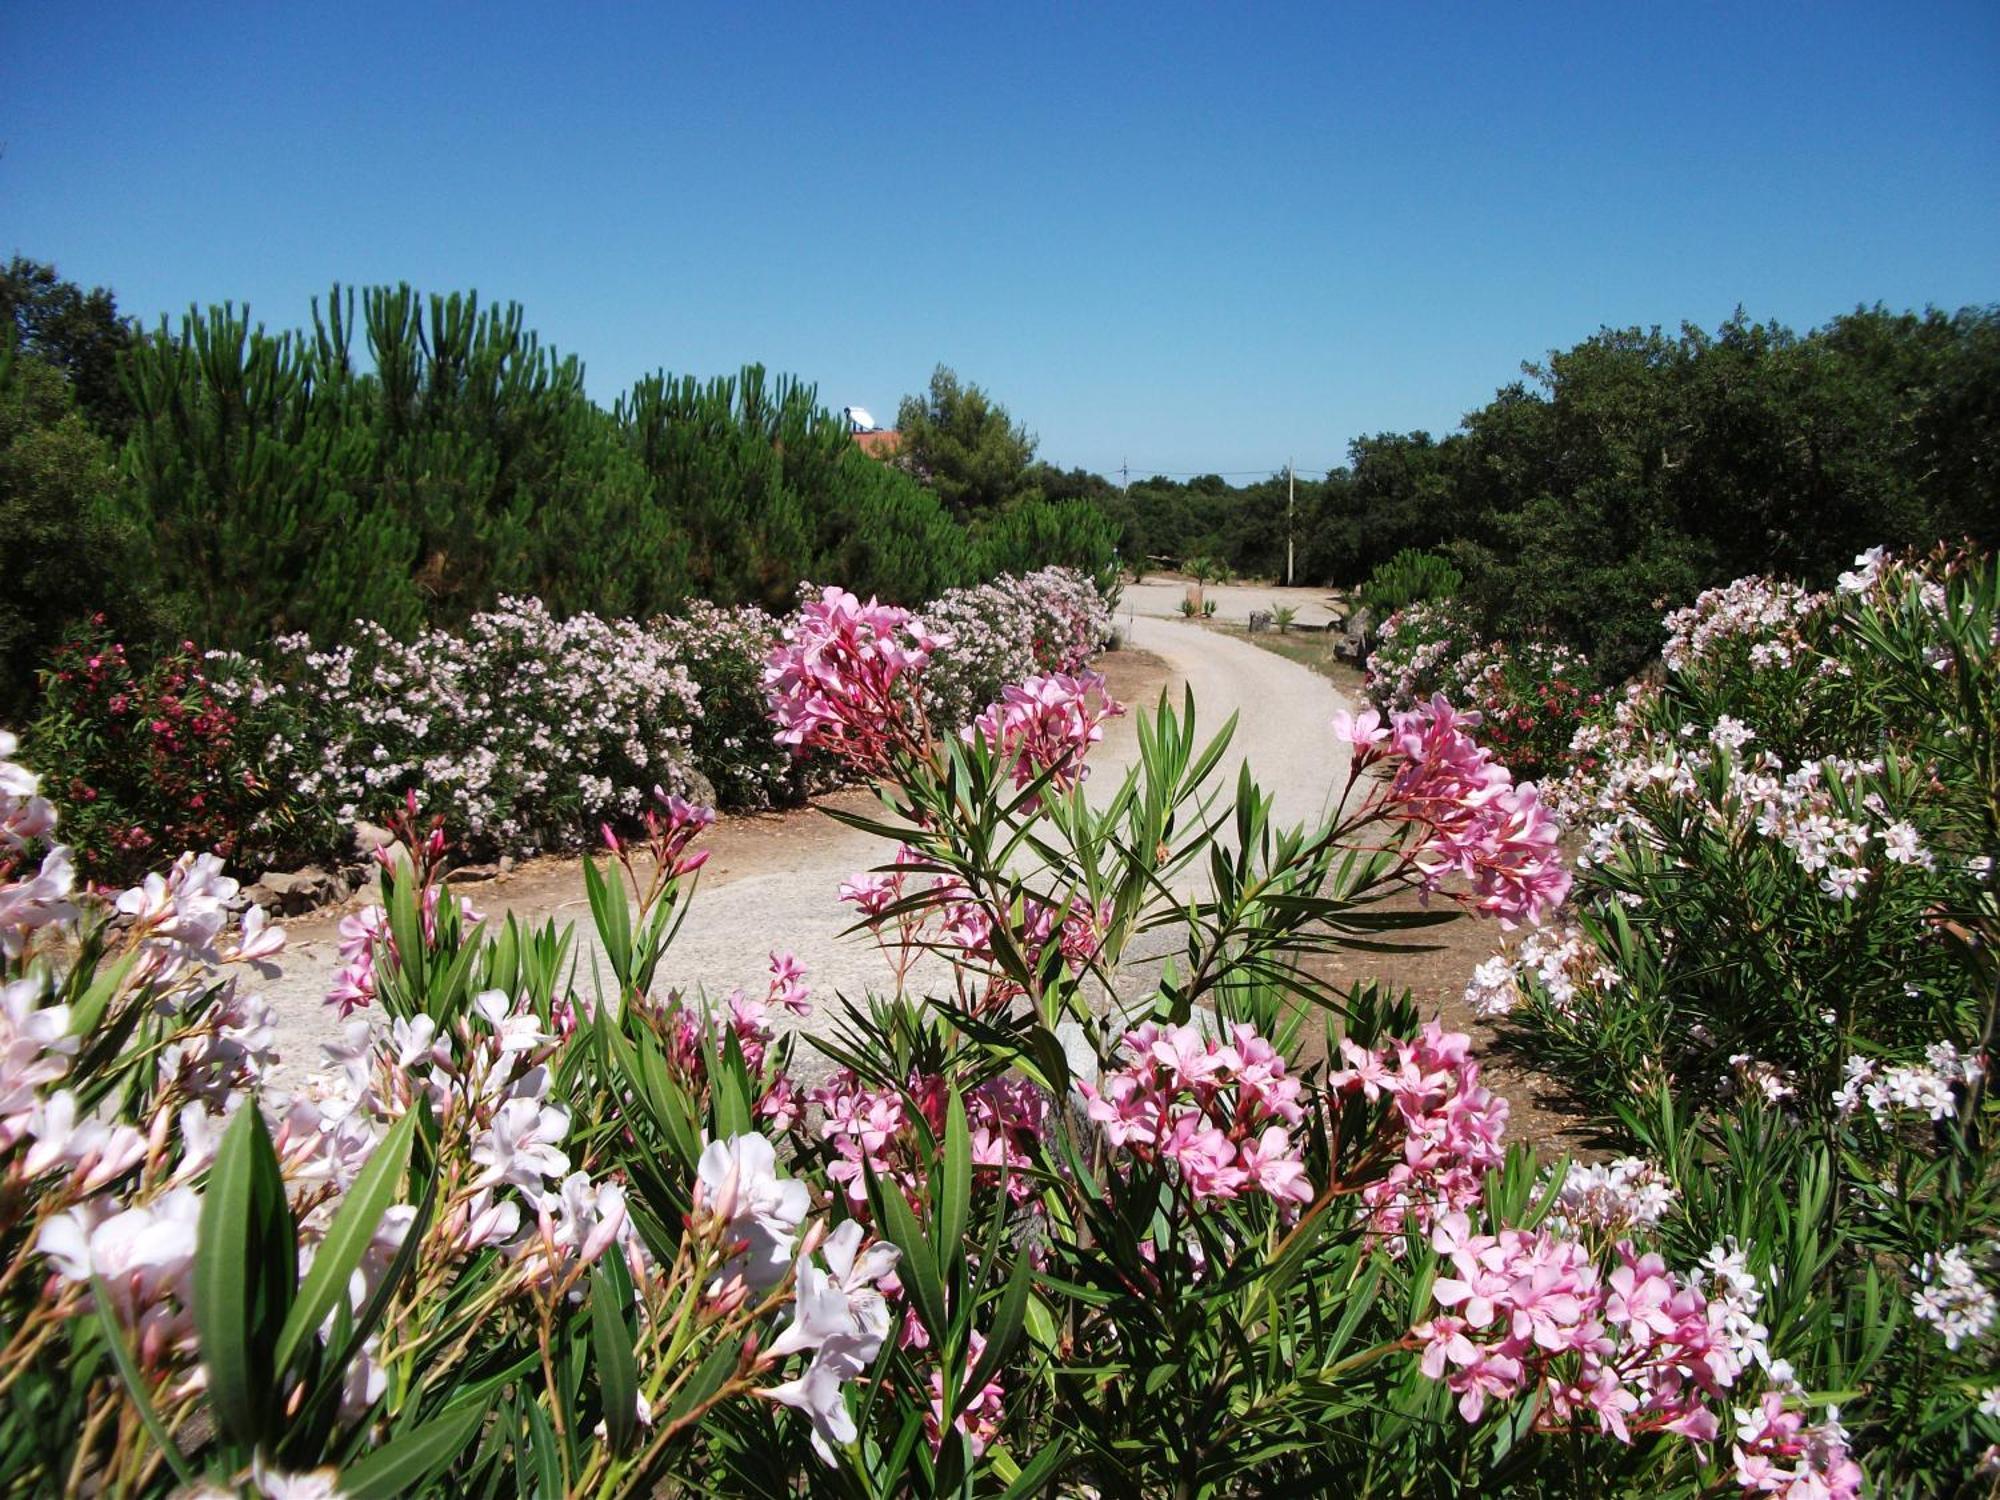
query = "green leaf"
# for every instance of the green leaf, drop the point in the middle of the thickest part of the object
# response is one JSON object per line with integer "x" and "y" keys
{"x": 706, "y": 1380}
{"x": 1040, "y": 1470}
{"x": 1006, "y": 1330}
{"x": 375, "y": 1188}
{"x": 547, "y": 1453}
{"x": 954, "y": 1200}
{"x": 613, "y": 918}
{"x": 617, "y": 1371}
{"x": 88, "y": 1011}
{"x": 406, "y": 1463}
{"x": 245, "y": 1272}
{"x": 135, "y": 1383}
{"x": 893, "y": 1213}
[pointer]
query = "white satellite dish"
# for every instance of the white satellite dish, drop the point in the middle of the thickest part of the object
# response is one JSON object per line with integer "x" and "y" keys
{"x": 858, "y": 419}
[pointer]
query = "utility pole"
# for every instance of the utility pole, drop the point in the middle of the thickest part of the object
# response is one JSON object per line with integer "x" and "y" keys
{"x": 1291, "y": 499}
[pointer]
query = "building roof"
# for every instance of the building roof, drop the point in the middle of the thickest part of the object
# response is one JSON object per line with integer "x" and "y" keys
{"x": 881, "y": 443}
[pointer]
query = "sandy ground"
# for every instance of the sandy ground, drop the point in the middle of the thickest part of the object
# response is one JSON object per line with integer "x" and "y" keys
{"x": 1161, "y": 598}
{"x": 772, "y": 880}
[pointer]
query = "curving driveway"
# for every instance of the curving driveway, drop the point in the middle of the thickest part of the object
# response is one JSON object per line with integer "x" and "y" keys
{"x": 772, "y": 880}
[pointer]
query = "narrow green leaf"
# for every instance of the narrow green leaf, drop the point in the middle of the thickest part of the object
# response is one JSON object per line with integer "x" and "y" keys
{"x": 245, "y": 1271}
{"x": 546, "y": 1452}
{"x": 1005, "y": 1332}
{"x": 617, "y": 1371}
{"x": 954, "y": 1190}
{"x": 406, "y": 1463}
{"x": 707, "y": 1379}
{"x": 904, "y": 1233}
{"x": 375, "y": 1188}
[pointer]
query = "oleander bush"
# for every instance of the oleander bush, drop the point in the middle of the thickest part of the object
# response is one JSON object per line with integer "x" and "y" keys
{"x": 1532, "y": 695}
{"x": 523, "y": 731}
{"x": 1777, "y": 977}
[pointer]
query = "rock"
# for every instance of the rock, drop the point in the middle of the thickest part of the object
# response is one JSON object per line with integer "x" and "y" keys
{"x": 291, "y": 892}
{"x": 506, "y": 864}
{"x": 473, "y": 874}
{"x": 697, "y": 788}
{"x": 365, "y": 837}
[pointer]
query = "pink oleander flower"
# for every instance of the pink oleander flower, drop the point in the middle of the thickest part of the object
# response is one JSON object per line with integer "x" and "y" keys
{"x": 839, "y": 681}
{"x": 1527, "y": 1308}
{"x": 1776, "y": 1453}
{"x": 1452, "y": 1127}
{"x": 1045, "y": 726}
{"x": 876, "y": 1129}
{"x": 1217, "y": 1112}
{"x": 1478, "y": 823}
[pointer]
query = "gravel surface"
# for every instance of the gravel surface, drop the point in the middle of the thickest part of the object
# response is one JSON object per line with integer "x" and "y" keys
{"x": 1233, "y": 602}
{"x": 772, "y": 880}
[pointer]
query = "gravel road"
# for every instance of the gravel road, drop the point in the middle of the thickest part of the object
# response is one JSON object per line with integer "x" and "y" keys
{"x": 772, "y": 880}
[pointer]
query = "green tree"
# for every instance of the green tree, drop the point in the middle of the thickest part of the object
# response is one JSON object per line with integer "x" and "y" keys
{"x": 68, "y": 556}
{"x": 79, "y": 332}
{"x": 962, "y": 444}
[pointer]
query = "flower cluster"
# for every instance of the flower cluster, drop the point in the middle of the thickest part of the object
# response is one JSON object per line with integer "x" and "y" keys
{"x": 1759, "y": 618}
{"x": 1219, "y": 1112}
{"x": 1532, "y": 696}
{"x": 1955, "y": 1296}
{"x": 842, "y": 680}
{"x": 1929, "y": 1088}
{"x": 1777, "y": 1452}
{"x": 1050, "y": 621}
{"x": 1044, "y": 726}
{"x": 1565, "y": 968}
{"x": 882, "y": 1129}
{"x": 1477, "y": 821}
{"x": 1611, "y": 1197}
{"x": 1451, "y": 1126}
{"x": 156, "y": 755}
{"x": 524, "y": 730}
{"x": 1631, "y": 1348}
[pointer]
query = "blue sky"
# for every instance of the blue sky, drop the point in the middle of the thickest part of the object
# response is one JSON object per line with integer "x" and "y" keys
{"x": 1187, "y": 237}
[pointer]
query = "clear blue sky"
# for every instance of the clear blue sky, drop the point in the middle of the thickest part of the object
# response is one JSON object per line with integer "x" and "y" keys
{"x": 1191, "y": 237}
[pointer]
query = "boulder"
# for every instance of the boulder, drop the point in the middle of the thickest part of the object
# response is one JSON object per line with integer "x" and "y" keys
{"x": 291, "y": 892}
{"x": 697, "y": 788}
{"x": 364, "y": 838}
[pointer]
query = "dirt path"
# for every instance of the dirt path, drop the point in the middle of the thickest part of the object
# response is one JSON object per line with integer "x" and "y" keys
{"x": 772, "y": 880}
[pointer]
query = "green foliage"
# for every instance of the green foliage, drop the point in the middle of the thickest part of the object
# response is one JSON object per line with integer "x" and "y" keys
{"x": 408, "y": 461}
{"x": 1779, "y": 982}
{"x": 1410, "y": 577}
{"x": 1639, "y": 467}
{"x": 963, "y": 445}
{"x": 1041, "y": 533}
{"x": 79, "y": 332}
{"x": 69, "y": 555}
{"x": 157, "y": 757}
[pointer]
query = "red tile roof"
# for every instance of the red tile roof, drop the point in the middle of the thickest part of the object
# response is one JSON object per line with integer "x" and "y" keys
{"x": 882, "y": 443}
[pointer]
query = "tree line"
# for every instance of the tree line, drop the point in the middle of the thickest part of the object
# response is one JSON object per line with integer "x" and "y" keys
{"x": 408, "y": 459}
{"x": 1627, "y": 473}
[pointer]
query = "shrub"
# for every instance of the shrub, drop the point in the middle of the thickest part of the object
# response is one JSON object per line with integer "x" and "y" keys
{"x": 157, "y": 754}
{"x": 1778, "y": 984}
{"x": 724, "y": 651}
{"x": 1052, "y": 620}
{"x": 1532, "y": 696}
{"x": 1410, "y": 577}
{"x": 525, "y": 731}
{"x": 523, "y": 1238}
